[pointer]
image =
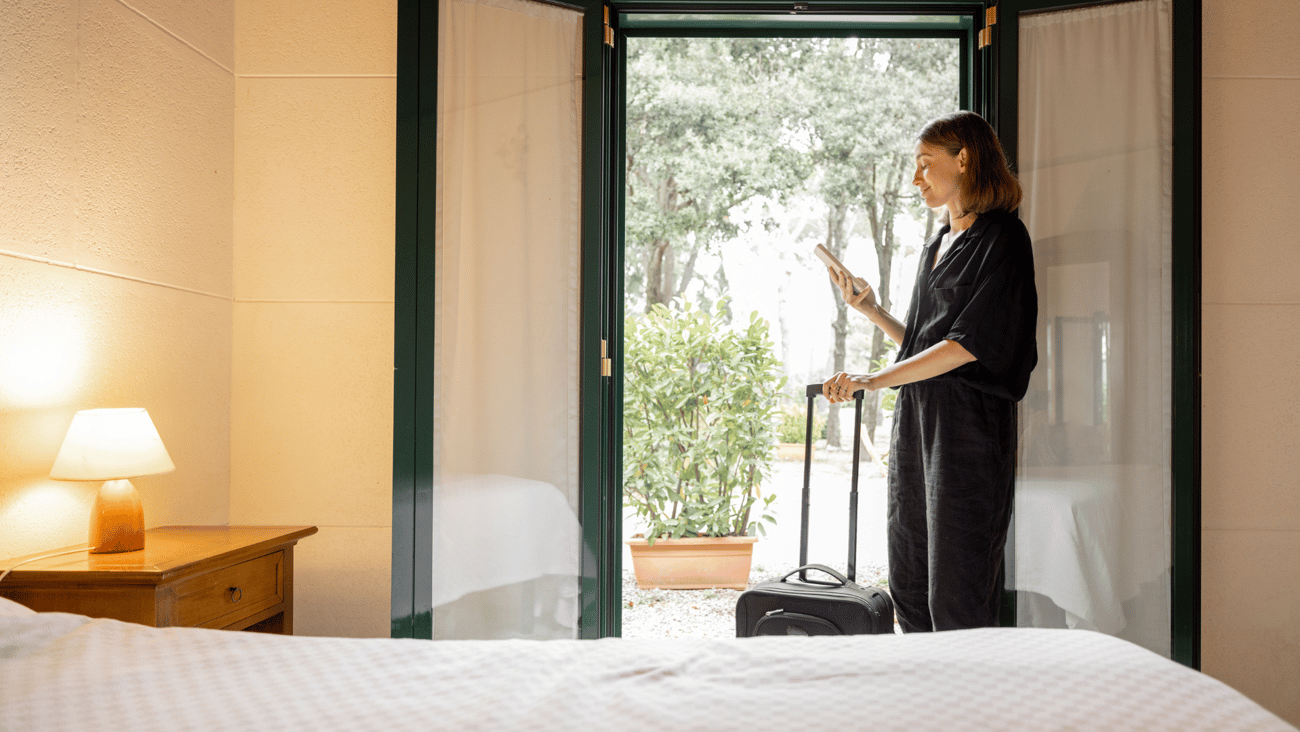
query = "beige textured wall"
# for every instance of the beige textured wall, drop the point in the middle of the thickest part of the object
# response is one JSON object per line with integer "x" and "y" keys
{"x": 1250, "y": 574}
{"x": 116, "y": 178}
{"x": 311, "y": 410}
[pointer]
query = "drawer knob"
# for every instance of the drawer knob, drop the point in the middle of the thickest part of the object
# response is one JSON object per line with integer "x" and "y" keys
{"x": 236, "y": 594}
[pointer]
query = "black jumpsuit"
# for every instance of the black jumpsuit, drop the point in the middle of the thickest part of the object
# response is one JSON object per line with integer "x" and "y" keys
{"x": 952, "y": 459}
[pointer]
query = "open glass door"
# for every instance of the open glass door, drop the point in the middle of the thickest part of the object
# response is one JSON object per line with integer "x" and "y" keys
{"x": 506, "y": 389}
{"x": 1086, "y": 110}
{"x": 489, "y": 247}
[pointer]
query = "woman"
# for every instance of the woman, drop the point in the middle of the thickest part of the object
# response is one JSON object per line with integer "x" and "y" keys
{"x": 965, "y": 353}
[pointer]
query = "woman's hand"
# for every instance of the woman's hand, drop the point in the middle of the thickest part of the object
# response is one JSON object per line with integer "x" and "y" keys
{"x": 864, "y": 301}
{"x": 859, "y": 295}
{"x": 841, "y": 386}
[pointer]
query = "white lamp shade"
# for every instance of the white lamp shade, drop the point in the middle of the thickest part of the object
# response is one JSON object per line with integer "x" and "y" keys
{"x": 109, "y": 444}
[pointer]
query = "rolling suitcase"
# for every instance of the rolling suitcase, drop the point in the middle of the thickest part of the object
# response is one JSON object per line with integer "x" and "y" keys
{"x": 818, "y": 606}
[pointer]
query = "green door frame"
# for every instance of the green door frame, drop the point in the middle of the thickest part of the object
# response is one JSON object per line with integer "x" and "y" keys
{"x": 602, "y": 331}
{"x": 417, "y": 97}
{"x": 992, "y": 93}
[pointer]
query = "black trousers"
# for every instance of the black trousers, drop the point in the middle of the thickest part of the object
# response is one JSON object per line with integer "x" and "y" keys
{"x": 951, "y": 477}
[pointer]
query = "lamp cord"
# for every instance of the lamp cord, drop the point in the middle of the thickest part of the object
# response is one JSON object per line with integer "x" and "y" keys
{"x": 43, "y": 556}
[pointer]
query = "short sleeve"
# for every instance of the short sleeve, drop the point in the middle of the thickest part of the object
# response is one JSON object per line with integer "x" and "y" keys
{"x": 997, "y": 323}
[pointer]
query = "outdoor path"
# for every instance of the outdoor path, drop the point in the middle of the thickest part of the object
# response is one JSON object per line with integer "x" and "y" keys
{"x": 828, "y": 514}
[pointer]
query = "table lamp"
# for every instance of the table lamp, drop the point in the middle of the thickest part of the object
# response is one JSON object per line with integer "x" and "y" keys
{"x": 113, "y": 445}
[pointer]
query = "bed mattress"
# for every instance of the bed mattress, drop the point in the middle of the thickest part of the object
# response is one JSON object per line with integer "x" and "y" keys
{"x": 67, "y": 672}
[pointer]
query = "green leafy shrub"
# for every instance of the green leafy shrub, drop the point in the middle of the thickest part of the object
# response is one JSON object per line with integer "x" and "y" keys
{"x": 793, "y": 426}
{"x": 699, "y": 405}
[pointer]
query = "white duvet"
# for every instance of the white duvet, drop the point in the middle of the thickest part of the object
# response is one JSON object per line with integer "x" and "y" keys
{"x": 67, "y": 672}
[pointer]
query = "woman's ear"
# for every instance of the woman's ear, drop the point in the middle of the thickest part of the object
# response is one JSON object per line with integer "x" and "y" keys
{"x": 962, "y": 160}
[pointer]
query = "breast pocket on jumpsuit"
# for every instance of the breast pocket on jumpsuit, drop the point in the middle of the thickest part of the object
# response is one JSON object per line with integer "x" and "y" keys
{"x": 951, "y": 294}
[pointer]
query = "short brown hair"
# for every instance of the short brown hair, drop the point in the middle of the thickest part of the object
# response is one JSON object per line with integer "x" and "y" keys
{"x": 988, "y": 183}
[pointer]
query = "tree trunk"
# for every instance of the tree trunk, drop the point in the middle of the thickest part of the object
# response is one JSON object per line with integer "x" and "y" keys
{"x": 659, "y": 274}
{"x": 661, "y": 281}
{"x": 835, "y": 241}
{"x": 883, "y": 237}
{"x": 688, "y": 273}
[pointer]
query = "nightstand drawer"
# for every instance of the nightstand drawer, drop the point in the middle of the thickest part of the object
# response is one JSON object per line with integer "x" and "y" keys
{"x": 182, "y": 577}
{"x": 225, "y": 596}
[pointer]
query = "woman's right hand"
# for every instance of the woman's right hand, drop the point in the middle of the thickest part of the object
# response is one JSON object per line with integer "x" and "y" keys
{"x": 842, "y": 386}
{"x": 863, "y": 300}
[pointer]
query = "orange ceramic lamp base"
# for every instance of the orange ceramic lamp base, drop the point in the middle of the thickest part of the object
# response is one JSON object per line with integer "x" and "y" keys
{"x": 116, "y": 519}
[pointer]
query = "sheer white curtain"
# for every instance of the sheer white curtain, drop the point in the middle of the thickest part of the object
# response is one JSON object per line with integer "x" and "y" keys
{"x": 1092, "y": 531}
{"x": 505, "y": 528}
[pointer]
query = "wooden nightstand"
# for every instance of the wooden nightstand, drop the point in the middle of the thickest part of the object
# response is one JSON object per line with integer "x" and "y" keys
{"x": 229, "y": 577}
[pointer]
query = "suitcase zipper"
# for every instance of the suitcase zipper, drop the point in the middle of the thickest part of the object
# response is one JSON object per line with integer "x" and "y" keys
{"x": 875, "y": 613}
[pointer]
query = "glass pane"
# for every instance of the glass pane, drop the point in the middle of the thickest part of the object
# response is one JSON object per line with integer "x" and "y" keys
{"x": 1092, "y": 532}
{"x": 505, "y": 528}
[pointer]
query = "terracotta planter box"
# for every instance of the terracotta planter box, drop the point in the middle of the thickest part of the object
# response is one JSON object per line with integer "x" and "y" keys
{"x": 791, "y": 451}
{"x": 693, "y": 564}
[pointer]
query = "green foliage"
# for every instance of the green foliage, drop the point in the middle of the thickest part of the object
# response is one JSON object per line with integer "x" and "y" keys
{"x": 793, "y": 427}
{"x": 699, "y": 404}
{"x": 867, "y": 99}
{"x": 706, "y": 131}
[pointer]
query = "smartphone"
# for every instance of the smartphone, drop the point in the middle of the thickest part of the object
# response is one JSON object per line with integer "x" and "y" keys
{"x": 829, "y": 260}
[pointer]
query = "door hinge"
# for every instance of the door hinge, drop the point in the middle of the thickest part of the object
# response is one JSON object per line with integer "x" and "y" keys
{"x": 990, "y": 20}
{"x": 606, "y": 363}
{"x": 609, "y": 32}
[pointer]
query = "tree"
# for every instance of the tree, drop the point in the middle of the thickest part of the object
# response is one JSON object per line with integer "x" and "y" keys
{"x": 705, "y": 126}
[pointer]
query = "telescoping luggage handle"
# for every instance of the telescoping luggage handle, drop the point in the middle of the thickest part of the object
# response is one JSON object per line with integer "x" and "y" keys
{"x": 814, "y": 391}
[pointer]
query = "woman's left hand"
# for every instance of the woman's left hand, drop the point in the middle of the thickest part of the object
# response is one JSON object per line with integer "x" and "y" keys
{"x": 841, "y": 386}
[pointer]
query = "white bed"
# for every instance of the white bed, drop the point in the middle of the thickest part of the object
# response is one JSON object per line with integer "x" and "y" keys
{"x": 1089, "y": 537}
{"x": 61, "y": 672}
{"x": 483, "y": 583}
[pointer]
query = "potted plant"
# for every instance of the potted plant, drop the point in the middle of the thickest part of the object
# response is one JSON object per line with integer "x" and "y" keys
{"x": 791, "y": 433}
{"x": 699, "y": 403}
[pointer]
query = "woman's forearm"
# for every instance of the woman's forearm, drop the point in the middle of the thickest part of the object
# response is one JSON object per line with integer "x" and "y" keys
{"x": 888, "y": 323}
{"x": 940, "y": 358}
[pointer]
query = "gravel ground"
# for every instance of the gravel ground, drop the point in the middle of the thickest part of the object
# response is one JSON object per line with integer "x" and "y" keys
{"x": 701, "y": 613}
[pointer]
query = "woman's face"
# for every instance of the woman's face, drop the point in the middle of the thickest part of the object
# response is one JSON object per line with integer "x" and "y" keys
{"x": 937, "y": 174}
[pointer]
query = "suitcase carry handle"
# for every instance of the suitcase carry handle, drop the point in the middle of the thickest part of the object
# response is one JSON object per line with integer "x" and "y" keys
{"x": 843, "y": 581}
{"x": 812, "y": 392}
